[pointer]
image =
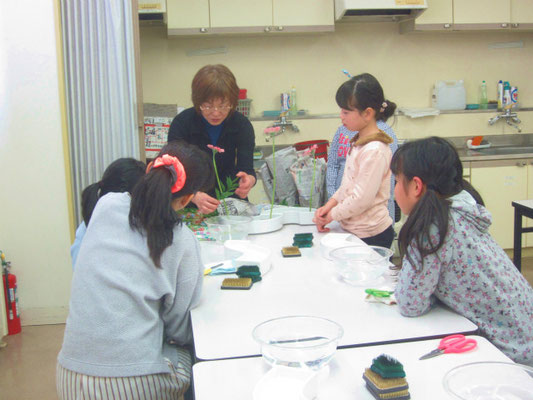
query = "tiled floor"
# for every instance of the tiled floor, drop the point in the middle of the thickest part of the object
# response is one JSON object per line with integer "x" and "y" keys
{"x": 27, "y": 364}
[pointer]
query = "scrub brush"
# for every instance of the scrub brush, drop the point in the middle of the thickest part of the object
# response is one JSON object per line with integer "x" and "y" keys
{"x": 387, "y": 367}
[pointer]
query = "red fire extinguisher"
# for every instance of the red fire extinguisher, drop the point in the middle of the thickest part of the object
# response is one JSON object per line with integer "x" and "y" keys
{"x": 11, "y": 297}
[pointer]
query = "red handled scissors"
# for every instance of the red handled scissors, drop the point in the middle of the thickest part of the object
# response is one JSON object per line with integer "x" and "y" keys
{"x": 452, "y": 344}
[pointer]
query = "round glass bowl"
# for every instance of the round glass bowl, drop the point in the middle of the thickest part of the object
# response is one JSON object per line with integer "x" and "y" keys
{"x": 226, "y": 227}
{"x": 298, "y": 341}
{"x": 361, "y": 265}
{"x": 490, "y": 381}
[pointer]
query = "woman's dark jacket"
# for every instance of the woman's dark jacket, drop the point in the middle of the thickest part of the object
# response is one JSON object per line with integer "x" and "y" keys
{"x": 237, "y": 139}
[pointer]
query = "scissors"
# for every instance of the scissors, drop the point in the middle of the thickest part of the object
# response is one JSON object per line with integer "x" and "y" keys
{"x": 378, "y": 293}
{"x": 452, "y": 344}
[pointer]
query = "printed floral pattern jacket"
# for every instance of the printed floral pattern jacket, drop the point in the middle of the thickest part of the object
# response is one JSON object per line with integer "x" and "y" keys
{"x": 471, "y": 274}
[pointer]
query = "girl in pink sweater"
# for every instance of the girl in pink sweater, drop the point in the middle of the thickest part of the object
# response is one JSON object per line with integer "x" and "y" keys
{"x": 360, "y": 203}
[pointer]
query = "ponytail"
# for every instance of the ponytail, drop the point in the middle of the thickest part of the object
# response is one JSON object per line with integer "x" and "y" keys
{"x": 151, "y": 211}
{"x": 89, "y": 198}
{"x": 386, "y": 111}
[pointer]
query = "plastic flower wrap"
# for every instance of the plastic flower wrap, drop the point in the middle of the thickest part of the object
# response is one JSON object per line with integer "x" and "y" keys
{"x": 311, "y": 152}
{"x": 271, "y": 132}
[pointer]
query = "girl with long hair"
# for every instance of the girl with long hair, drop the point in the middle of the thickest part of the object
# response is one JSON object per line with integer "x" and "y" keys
{"x": 448, "y": 254}
{"x": 137, "y": 276}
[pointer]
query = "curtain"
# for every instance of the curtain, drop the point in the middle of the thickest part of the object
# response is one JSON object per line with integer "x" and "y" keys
{"x": 98, "y": 41}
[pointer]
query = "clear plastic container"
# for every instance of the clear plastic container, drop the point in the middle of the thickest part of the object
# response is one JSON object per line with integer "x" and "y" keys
{"x": 298, "y": 341}
{"x": 228, "y": 227}
{"x": 490, "y": 380}
{"x": 361, "y": 265}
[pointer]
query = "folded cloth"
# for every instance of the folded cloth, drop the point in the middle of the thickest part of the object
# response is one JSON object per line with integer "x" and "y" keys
{"x": 419, "y": 112}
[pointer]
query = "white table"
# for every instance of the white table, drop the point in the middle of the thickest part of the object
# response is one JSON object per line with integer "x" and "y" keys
{"x": 308, "y": 285}
{"x": 235, "y": 379}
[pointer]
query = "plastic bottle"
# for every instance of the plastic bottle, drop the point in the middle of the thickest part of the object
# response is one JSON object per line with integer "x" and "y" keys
{"x": 483, "y": 99}
{"x": 500, "y": 94}
{"x": 514, "y": 96}
{"x": 294, "y": 108}
{"x": 506, "y": 102}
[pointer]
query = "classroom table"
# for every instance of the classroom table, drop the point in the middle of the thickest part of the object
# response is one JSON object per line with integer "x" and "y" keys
{"x": 236, "y": 379}
{"x": 521, "y": 208}
{"x": 222, "y": 323}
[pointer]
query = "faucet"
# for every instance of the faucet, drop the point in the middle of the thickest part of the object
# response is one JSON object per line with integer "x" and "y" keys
{"x": 509, "y": 117}
{"x": 284, "y": 123}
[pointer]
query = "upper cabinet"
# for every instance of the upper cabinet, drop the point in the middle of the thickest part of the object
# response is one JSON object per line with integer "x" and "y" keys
{"x": 473, "y": 15}
{"x": 438, "y": 16}
{"x": 481, "y": 14}
{"x": 185, "y": 17}
{"x": 522, "y": 14}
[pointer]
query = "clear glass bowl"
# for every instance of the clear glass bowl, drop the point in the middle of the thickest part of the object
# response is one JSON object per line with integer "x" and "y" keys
{"x": 490, "y": 381}
{"x": 298, "y": 341}
{"x": 226, "y": 227}
{"x": 360, "y": 265}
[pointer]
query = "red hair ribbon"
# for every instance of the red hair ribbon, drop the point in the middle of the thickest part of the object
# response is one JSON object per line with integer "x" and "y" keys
{"x": 176, "y": 169}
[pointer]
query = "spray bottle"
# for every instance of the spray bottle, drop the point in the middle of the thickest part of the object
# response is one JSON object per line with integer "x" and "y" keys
{"x": 506, "y": 95}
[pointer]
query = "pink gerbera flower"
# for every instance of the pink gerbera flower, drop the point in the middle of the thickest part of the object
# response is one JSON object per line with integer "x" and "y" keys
{"x": 215, "y": 148}
{"x": 310, "y": 150}
{"x": 272, "y": 129}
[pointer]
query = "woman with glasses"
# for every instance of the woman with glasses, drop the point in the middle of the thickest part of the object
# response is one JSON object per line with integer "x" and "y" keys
{"x": 214, "y": 120}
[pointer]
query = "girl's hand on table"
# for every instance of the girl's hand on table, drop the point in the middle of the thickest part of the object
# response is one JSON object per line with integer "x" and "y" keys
{"x": 322, "y": 218}
{"x": 246, "y": 183}
{"x": 205, "y": 203}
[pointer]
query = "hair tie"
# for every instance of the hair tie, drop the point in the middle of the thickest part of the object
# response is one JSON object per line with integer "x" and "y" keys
{"x": 175, "y": 167}
{"x": 431, "y": 186}
{"x": 383, "y": 106}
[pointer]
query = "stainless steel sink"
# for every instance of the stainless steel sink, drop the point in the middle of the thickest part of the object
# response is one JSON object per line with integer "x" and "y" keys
{"x": 503, "y": 150}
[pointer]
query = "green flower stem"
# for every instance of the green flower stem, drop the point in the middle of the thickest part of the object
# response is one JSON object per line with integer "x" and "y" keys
{"x": 219, "y": 185}
{"x": 274, "y": 172}
{"x": 312, "y": 181}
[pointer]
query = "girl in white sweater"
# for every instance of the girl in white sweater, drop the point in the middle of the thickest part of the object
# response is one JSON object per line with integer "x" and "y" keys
{"x": 137, "y": 276}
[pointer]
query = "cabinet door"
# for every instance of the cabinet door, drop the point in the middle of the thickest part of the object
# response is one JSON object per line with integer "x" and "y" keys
{"x": 499, "y": 183}
{"x": 439, "y": 12}
{"x": 187, "y": 16}
{"x": 481, "y": 14}
{"x": 290, "y": 14}
{"x": 521, "y": 14}
{"x": 437, "y": 17}
{"x": 241, "y": 13}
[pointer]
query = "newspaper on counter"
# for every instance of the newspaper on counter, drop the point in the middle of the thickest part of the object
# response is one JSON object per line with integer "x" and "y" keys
{"x": 302, "y": 174}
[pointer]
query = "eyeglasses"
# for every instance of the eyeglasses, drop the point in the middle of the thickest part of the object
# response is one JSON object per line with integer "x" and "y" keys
{"x": 209, "y": 109}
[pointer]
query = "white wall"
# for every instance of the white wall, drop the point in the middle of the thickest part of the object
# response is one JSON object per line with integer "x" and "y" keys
{"x": 34, "y": 217}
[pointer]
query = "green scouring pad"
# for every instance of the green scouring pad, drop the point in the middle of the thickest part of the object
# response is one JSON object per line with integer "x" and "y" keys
{"x": 386, "y": 388}
{"x": 249, "y": 271}
{"x": 387, "y": 367}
